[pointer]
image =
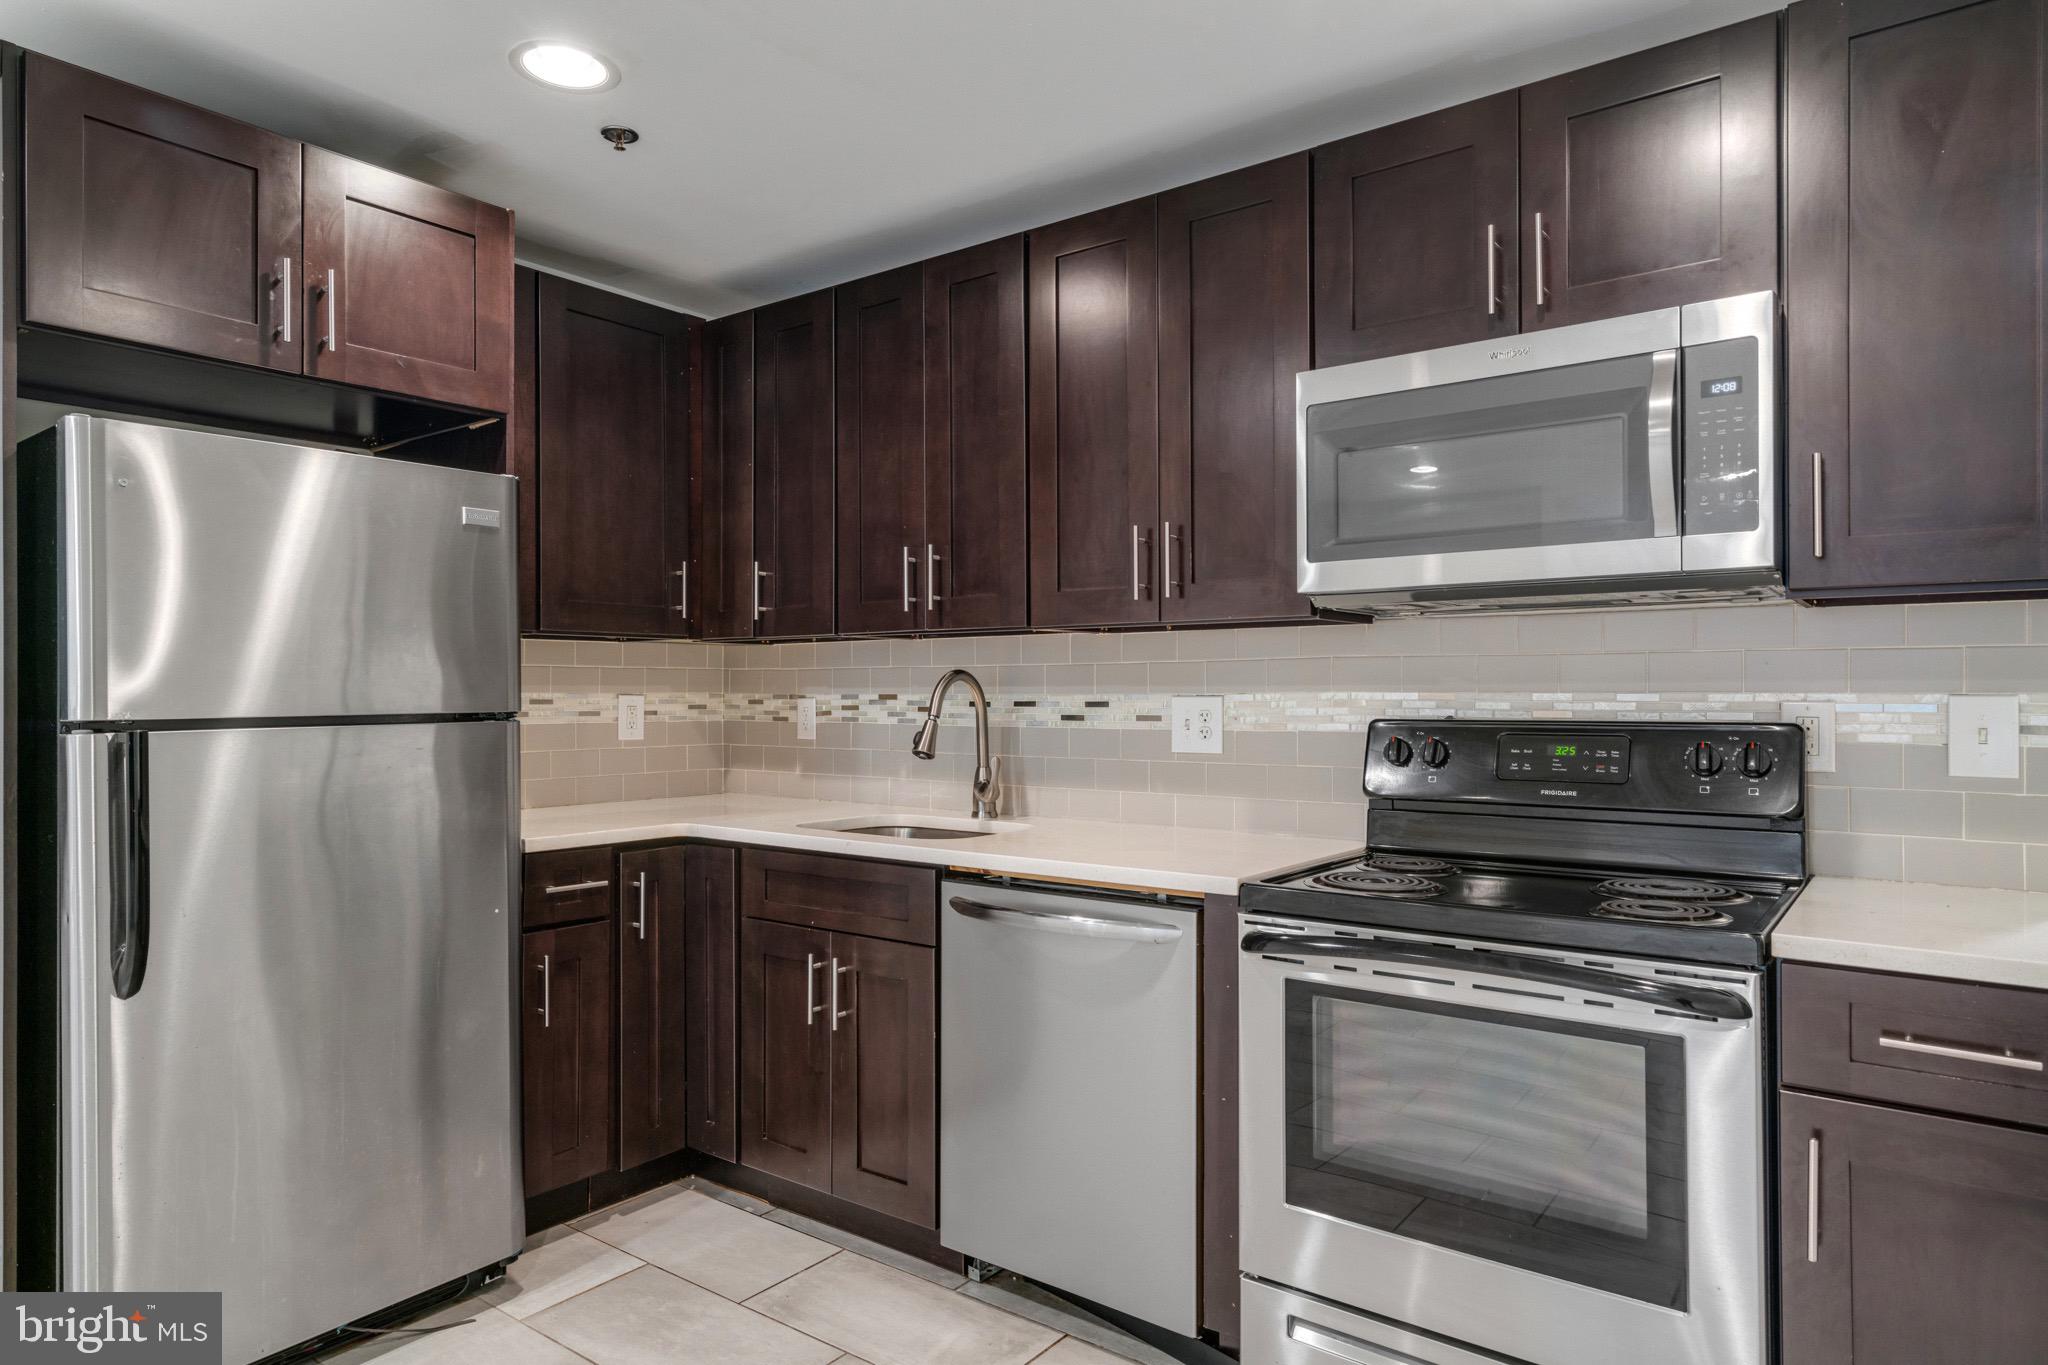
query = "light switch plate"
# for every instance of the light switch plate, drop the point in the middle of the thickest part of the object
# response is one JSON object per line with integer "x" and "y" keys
{"x": 1817, "y": 718}
{"x": 1198, "y": 725}
{"x": 1983, "y": 736}
{"x": 632, "y": 716}
{"x": 806, "y": 718}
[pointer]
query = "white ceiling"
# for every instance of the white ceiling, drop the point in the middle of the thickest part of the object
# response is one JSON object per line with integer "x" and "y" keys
{"x": 788, "y": 144}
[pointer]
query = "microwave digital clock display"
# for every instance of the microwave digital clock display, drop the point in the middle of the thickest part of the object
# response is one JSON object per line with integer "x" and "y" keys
{"x": 1721, "y": 388}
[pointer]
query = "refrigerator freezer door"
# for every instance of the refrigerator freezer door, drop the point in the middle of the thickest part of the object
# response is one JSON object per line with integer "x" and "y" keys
{"x": 308, "y": 1098}
{"x": 215, "y": 577}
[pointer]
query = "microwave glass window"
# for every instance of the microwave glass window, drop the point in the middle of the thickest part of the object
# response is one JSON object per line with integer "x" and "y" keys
{"x": 1722, "y": 482}
{"x": 1553, "y": 1147}
{"x": 1553, "y": 457}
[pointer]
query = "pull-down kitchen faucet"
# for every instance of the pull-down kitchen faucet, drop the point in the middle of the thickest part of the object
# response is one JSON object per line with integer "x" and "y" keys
{"x": 986, "y": 797}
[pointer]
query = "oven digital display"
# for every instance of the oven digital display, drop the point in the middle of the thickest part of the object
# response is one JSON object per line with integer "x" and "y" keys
{"x": 1546, "y": 758}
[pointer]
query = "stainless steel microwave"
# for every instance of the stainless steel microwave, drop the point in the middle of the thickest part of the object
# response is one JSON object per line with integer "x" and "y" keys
{"x": 1629, "y": 460}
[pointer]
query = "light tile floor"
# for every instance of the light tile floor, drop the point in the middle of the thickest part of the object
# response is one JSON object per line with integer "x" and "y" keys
{"x": 695, "y": 1274}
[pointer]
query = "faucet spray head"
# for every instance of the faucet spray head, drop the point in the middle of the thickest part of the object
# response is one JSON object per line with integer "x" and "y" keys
{"x": 927, "y": 742}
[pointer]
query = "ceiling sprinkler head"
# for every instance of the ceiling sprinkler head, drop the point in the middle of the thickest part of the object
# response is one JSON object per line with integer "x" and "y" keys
{"x": 618, "y": 135}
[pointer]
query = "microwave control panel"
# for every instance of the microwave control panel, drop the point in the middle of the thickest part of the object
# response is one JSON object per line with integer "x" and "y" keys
{"x": 1718, "y": 404}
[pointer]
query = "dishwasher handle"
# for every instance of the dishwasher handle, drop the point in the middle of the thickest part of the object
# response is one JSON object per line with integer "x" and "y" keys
{"x": 1066, "y": 922}
{"x": 1683, "y": 997}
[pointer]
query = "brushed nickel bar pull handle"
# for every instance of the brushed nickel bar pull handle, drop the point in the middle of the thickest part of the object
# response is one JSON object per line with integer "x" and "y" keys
{"x": 760, "y": 574}
{"x": 546, "y": 1005}
{"x": 931, "y": 578}
{"x": 1820, "y": 544}
{"x": 1813, "y": 1198}
{"x": 1495, "y": 304}
{"x": 571, "y": 888}
{"x": 327, "y": 343}
{"x": 1169, "y": 560}
{"x": 1136, "y": 596}
{"x": 1542, "y": 288}
{"x": 282, "y": 284}
{"x": 838, "y": 1013}
{"x": 907, "y": 571}
{"x": 1906, "y": 1042}
{"x": 811, "y": 1006}
{"x": 640, "y": 922}
{"x": 682, "y": 576}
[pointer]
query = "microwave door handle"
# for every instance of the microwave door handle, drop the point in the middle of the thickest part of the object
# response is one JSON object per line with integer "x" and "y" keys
{"x": 1661, "y": 449}
{"x": 1685, "y": 997}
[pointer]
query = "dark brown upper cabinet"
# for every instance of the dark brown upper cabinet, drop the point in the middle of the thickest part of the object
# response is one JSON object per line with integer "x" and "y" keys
{"x": 1234, "y": 332}
{"x": 1416, "y": 234}
{"x": 793, "y": 467}
{"x": 1652, "y": 180}
{"x": 151, "y": 221}
{"x": 1901, "y": 1192}
{"x": 1915, "y": 173}
{"x": 1094, "y": 418}
{"x": 727, "y": 587}
{"x": 976, "y": 546}
{"x": 879, "y": 336}
{"x": 610, "y": 463}
{"x": 652, "y": 933}
{"x": 565, "y": 1054}
{"x": 409, "y": 286}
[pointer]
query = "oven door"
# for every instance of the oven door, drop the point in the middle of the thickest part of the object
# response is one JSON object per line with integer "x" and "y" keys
{"x": 1550, "y": 457}
{"x": 1541, "y": 1154}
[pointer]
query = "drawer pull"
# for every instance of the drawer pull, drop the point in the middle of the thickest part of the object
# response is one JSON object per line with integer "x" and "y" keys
{"x": 1813, "y": 1198}
{"x": 1906, "y": 1042}
{"x": 573, "y": 887}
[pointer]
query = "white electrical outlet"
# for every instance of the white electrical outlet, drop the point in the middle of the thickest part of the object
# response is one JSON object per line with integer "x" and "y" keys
{"x": 806, "y": 718}
{"x": 1817, "y": 718}
{"x": 632, "y": 716}
{"x": 1983, "y": 736}
{"x": 1198, "y": 725}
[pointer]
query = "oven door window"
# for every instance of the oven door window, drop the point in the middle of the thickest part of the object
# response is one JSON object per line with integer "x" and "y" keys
{"x": 1551, "y": 1146}
{"x": 1550, "y": 457}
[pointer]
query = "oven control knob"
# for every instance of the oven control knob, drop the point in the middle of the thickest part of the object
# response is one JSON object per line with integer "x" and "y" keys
{"x": 1398, "y": 751}
{"x": 1756, "y": 760}
{"x": 1704, "y": 760}
{"x": 1435, "y": 753}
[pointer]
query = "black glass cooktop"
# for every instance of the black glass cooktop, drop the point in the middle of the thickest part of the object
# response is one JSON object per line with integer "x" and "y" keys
{"x": 1706, "y": 918}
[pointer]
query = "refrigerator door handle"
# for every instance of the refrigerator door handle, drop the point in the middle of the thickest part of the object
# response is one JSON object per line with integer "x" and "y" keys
{"x": 128, "y": 859}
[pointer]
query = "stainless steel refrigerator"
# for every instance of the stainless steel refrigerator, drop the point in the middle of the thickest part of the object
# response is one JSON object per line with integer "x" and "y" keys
{"x": 277, "y": 738}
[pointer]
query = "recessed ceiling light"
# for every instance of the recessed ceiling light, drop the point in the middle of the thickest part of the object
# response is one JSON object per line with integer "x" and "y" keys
{"x": 563, "y": 66}
{"x": 1422, "y": 469}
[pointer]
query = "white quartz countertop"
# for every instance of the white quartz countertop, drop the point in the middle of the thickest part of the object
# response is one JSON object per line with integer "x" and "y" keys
{"x": 1960, "y": 932}
{"x": 1156, "y": 857}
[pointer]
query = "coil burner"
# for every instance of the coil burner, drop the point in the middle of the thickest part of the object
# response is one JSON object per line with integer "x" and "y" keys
{"x": 1689, "y": 914}
{"x": 1413, "y": 863}
{"x": 1371, "y": 881}
{"x": 1671, "y": 889}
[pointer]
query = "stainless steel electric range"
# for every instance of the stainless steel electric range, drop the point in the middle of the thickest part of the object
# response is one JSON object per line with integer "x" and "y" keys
{"x": 1503, "y": 1075}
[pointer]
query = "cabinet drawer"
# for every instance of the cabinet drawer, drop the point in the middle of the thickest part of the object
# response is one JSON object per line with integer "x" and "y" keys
{"x": 1944, "y": 1045}
{"x": 847, "y": 895}
{"x": 566, "y": 885}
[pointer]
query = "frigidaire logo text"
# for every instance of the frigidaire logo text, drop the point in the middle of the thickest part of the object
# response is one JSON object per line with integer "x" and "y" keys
{"x": 87, "y": 1332}
{"x": 1559, "y": 791}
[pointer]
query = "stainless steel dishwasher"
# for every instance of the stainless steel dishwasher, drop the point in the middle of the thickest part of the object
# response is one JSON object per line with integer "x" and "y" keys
{"x": 1067, "y": 1092}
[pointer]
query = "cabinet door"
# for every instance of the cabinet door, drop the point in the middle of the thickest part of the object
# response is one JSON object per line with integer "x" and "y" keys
{"x": 612, "y": 462}
{"x": 653, "y": 934}
{"x": 1656, "y": 178}
{"x": 879, "y": 377}
{"x": 711, "y": 963}
{"x": 725, "y": 532}
{"x": 1416, "y": 234}
{"x": 522, "y": 440}
{"x": 408, "y": 286}
{"x": 1916, "y": 274}
{"x": 786, "y": 1052}
{"x": 1233, "y": 333}
{"x": 977, "y": 551}
{"x": 793, "y": 464}
{"x": 151, "y": 221}
{"x": 565, "y": 1054}
{"x": 883, "y": 1003}
{"x": 1094, "y": 419}
{"x": 1929, "y": 1241}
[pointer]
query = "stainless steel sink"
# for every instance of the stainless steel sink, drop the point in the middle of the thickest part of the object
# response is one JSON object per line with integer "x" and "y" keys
{"x": 914, "y": 831}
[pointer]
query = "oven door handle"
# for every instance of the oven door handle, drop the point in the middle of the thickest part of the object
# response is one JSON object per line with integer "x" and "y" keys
{"x": 1685, "y": 997}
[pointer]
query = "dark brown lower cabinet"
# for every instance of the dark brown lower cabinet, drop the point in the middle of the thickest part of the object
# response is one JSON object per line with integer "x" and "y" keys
{"x": 1928, "y": 1241}
{"x": 711, "y": 1115}
{"x": 838, "y": 1066}
{"x": 652, "y": 997}
{"x": 565, "y": 1057}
